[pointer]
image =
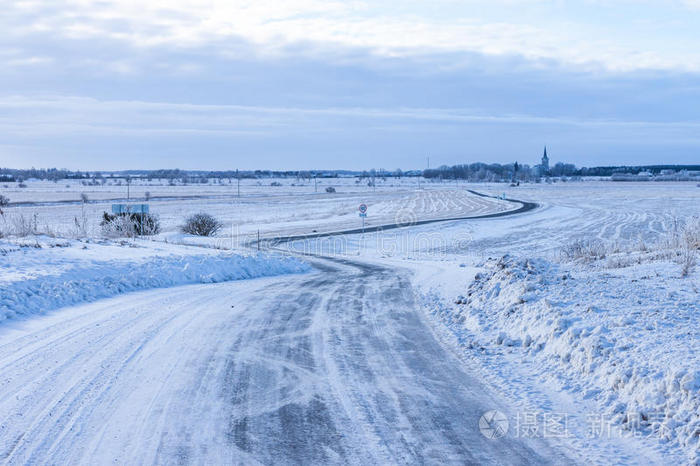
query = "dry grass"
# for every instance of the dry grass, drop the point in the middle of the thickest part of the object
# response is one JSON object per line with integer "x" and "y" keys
{"x": 22, "y": 226}
{"x": 585, "y": 250}
{"x": 680, "y": 244}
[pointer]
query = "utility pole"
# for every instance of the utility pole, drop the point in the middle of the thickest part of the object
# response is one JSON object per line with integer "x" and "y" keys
{"x": 315, "y": 183}
{"x": 238, "y": 206}
{"x": 238, "y": 177}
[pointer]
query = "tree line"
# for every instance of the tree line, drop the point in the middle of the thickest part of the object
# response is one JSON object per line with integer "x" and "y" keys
{"x": 477, "y": 171}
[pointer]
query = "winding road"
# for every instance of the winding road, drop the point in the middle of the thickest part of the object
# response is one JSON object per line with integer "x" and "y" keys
{"x": 336, "y": 366}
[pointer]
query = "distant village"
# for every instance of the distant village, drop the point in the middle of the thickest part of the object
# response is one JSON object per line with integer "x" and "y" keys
{"x": 546, "y": 172}
{"x": 513, "y": 173}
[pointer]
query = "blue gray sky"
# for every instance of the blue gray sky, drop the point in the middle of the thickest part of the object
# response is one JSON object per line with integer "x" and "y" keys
{"x": 302, "y": 84}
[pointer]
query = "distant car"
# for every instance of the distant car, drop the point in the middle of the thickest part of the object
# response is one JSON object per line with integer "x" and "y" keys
{"x": 330, "y": 189}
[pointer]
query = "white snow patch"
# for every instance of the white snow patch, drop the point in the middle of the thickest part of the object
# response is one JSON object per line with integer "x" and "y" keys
{"x": 42, "y": 274}
{"x": 627, "y": 338}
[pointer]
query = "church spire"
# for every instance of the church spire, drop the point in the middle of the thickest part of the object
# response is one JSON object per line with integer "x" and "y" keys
{"x": 545, "y": 160}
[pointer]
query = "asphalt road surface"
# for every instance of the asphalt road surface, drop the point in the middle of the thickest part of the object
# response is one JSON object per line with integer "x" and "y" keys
{"x": 336, "y": 366}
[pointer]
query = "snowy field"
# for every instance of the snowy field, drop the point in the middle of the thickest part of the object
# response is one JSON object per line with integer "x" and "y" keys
{"x": 585, "y": 310}
{"x": 294, "y": 207}
{"x": 587, "y": 296}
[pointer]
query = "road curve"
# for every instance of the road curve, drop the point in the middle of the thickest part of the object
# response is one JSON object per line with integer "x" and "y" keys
{"x": 271, "y": 242}
{"x": 332, "y": 367}
{"x": 336, "y": 366}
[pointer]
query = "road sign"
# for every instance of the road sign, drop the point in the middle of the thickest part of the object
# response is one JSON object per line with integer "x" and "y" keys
{"x": 129, "y": 209}
{"x": 363, "y": 215}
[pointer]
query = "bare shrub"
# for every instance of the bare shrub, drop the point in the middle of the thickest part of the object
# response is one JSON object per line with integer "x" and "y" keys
{"x": 129, "y": 225}
{"x": 582, "y": 249}
{"x": 201, "y": 224}
{"x": 691, "y": 233}
{"x": 641, "y": 244}
{"x": 687, "y": 261}
{"x": 672, "y": 238}
{"x": 147, "y": 224}
{"x": 690, "y": 243}
{"x": 117, "y": 226}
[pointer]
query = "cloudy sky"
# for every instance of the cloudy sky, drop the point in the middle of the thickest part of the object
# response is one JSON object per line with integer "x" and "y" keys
{"x": 300, "y": 84}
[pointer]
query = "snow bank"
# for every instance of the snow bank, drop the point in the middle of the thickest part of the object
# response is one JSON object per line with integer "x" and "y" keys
{"x": 35, "y": 278}
{"x": 628, "y": 338}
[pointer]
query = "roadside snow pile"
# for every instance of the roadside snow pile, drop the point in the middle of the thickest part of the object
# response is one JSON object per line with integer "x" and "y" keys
{"x": 628, "y": 338}
{"x": 45, "y": 274}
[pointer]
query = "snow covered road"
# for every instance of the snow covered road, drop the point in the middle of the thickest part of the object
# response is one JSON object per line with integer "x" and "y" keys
{"x": 334, "y": 366}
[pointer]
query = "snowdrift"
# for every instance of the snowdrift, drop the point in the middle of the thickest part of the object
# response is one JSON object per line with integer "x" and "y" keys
{"x": 55, "y": 282}
{"x": 627, "y": 338}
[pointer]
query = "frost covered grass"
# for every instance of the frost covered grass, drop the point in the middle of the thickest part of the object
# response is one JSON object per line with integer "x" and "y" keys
{"x": 21, "y": 225}
{"x": 680, "y": 244}
{"x": 38, "y": 274}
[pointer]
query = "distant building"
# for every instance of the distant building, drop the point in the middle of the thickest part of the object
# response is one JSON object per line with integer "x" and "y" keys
{"x": 545, "y": 160}
{"x": 643, "y": 176}
{"x": 543, "y": 168}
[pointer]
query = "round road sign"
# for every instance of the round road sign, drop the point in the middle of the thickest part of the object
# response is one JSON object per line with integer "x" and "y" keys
{"x": 363, "y": 208}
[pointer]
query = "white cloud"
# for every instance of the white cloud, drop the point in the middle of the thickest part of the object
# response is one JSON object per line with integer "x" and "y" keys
{"x": 384, "y": 28}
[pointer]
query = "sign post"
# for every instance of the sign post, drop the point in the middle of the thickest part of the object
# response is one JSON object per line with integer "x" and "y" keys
{"x": 363, "y": 215}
